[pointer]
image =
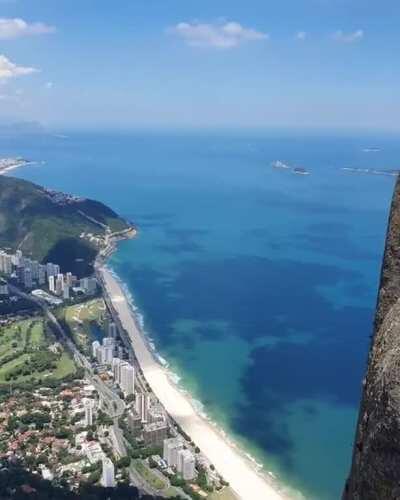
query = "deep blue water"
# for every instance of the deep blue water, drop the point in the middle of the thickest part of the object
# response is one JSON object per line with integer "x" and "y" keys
{"x": 258, "y": 286}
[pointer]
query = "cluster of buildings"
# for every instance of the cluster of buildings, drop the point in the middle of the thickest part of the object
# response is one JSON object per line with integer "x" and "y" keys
{"x": 38, "y": 445}
{"x": 30, "y": 273}
{"x": 147, "y": 420}
{"x": 110, "y": 354}
{"x": 179, "y": 458}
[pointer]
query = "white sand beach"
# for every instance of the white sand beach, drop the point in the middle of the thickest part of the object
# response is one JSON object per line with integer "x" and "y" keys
{"x": 228, "y": 460}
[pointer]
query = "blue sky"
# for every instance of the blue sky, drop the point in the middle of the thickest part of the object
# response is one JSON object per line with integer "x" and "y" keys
{"x": 209, "y": 63}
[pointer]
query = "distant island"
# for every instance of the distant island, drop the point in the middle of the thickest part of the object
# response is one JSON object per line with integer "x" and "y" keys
{"x": 372, "y": 171}
{"x": 280, "y": 164}
{"x": 300, "y": 171}
{"x": 294, "y": 170}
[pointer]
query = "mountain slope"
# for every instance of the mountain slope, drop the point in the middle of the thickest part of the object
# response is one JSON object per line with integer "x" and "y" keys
{"x": 51, "y": 226}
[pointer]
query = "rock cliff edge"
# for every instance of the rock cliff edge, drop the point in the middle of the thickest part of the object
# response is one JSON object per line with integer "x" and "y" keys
{"x": 375, "y": 470}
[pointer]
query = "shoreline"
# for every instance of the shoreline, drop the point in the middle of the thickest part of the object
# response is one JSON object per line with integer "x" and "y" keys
{"x": 6, "y": 170}
{"x": 244, "y": 475}
{"x": 175, "y": 378}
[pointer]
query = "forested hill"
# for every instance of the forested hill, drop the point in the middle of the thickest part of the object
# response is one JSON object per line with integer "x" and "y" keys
{"x": 53, "y": 227}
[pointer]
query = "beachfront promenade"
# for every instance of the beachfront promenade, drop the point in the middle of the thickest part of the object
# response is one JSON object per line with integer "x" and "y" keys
{"x": 228, "y": 460}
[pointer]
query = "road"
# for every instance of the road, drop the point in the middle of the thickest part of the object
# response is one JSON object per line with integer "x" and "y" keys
{"x": 116, "y": 406}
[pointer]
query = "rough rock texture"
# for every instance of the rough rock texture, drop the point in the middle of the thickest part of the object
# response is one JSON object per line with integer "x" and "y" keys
{"x": 375, "y": 471}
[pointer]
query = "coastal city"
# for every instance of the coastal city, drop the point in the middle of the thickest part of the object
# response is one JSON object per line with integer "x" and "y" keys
{"x": 199, "y": 250}
{"x": 76, "y": 409}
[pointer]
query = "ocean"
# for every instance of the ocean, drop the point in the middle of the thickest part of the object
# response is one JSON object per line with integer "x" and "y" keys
{"x": 256, "y": 285}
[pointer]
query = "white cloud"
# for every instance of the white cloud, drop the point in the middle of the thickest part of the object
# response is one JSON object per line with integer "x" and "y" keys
{"x": 16, "y": 28}
{"x": 342, "y": 37}
{"x": 223, "y": 36}
{"x": 10, "y": 70}
{"x": 301, "y": 35}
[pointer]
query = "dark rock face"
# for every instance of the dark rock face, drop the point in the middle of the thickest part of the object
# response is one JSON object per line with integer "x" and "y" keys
{"x": 375, "y": 471}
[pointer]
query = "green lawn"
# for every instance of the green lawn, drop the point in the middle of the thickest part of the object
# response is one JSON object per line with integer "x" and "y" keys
{"x": 6, "y": 367}
{"x": 37, "y": 334}
{"x": 225, "y": 494}
{"x": 27, "y": 341}
{"x": 79, "y": 318}
{"x": 65, "y": 366}
{"x": 93, "y": 310}
{"x": 17, "y": 332}
{"x": 171, "y": 492}
{"x": 149, "y": 476}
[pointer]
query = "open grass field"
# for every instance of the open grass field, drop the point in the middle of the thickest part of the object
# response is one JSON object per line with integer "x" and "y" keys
{"x": 92, "y": 310}
{"x": 81, "y": 317}
{"x": 152, "y": 479}
{"x": 25, "y": 354}
{"x": 65, "y": 366}
{"x": 13, "y": 337}
{"x": 225, "y": 494}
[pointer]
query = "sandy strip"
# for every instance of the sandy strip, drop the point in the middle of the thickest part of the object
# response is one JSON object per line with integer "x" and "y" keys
{"x": 5, "y": 171}
{"x": 228, "y": 460}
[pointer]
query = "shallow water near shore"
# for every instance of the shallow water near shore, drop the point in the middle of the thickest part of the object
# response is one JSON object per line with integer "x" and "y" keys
{"x": 257, "y": 286}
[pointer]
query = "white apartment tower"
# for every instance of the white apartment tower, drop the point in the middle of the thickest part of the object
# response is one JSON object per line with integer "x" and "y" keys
{"x": 115, "y": 369}
{"x": 142, "y": 404}
{"x": 107, "y": 354}
{"x": 5, "y": 263}
{"x": 112, "y": 330}
{"x": 52, "y": 284}
{"x": 69, "y": 279}
{"x": 59, "y": 284}
{"x": 88, "y": 405}
{"x": 108, "y": 477}
{"x": 186, "y": 464}
{"x": 95, "y": 348}
{"x": 127, "y": 383}
{"x": 170, "y": 452}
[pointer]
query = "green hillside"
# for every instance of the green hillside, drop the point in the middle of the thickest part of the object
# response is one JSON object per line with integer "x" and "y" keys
{"x": 48, "y": 226}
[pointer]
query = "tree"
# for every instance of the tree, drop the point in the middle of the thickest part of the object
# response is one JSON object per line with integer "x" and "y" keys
{"x": 130, "y": 398}
{"x": 94, "y": 477}
{"x": 123, "y": 462}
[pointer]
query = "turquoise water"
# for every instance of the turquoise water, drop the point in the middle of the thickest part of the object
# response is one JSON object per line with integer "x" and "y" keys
{"x": 258, "y": 286}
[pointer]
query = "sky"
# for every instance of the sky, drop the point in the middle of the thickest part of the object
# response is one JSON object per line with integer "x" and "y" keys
{"x": 209, "y": 63}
